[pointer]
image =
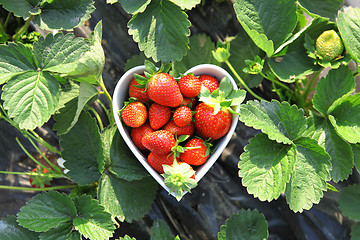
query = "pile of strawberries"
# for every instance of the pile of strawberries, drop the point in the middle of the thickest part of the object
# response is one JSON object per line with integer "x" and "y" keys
{"x": 174, "y": 121}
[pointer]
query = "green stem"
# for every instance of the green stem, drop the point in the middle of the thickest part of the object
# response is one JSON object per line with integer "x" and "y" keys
{"x": 56, "y": 168}
{"x": 242, "y": 83}
{"x": 37, "y": 189}
{"x": 107, "y": 112}
{"x": 31, "y": 157}
{"x": 7, "y": 20}
{"x": 22, "y": 30}
{"x": 40, "y": 140}
{"x": 55, "y": 175}
{"x": 310, "y": 84}
{"x": 276, "y": 82}
{"x": 106, "y": 93}
{"x": 97, "y": 116}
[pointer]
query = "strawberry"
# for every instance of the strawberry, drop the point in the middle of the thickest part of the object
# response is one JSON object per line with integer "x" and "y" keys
{"x": 189, "y": 86}
{"x": 159, "y": 115}
{"x": 196, "y": 152}
{"x": 177, "y": 131}
{"x": 159, "y": 142}
{"x": 213, "y": 116}
{"x": 134, "y": 114}
{"x": 157, "y": 161}
{"x": 138, "y": 92}
{"x": 161, "y": 87}
{"x": 138, "y": 133}
{"x": 189, "y": 102}
{"x": 40, "y": 181}
{"x": 182, "y": 116}
{"x": 209, "y": 82}
{"x": 179, "y": 177}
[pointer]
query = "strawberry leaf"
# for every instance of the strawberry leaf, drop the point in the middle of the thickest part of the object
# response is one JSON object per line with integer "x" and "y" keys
{"x": 349, "y": 200}
{"x": 324, "y": 8}
{"x": 347, "y": 125}
{"x": 92, "y": 221}
{"x": 280, "y": 121}
{"x": 79, "y": 156}
{"x": 266, "y": 166}
{"x": 336, "y": 84}
{"x": 132, "y": 6}
{"x": 186, "y": 4}
{"x": 46, "y": 211}
{"x": 161, "y": 31}
{"x": 11, "y": 230}
{"x": 63, "y": 231}
{"x": 127, "y": 200}
{"x": 245, "y": 225}
{"x": 160, "y": 230}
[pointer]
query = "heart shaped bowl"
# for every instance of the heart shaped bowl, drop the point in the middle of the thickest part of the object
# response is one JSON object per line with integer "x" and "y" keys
{"x": 121, "y": 95}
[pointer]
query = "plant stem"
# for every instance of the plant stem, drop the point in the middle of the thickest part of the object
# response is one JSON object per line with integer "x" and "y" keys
{"x": 107, "y": 112}
{"x": 7, "y": 20}
{"x": 37, "y": 189}
{"x": 310, "y": 84}
{"x": 33, "y": 174}
{"x": 40, "y": 140}
{"x": 23, "y": 29}
{"x": 242, "y": 83}
{"x": 97, "y": 116}
{"x": 106, "y": 93}
{"x": 276, "y": 82}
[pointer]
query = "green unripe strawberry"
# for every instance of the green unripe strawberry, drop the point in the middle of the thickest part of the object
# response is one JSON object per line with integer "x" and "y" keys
{"x": 329, "y": 44}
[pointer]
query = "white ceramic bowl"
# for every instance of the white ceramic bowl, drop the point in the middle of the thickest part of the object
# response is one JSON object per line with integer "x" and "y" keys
{"x": 121, "y": 95}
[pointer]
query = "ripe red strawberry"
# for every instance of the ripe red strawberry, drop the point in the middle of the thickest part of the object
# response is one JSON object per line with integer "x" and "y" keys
{"x": 177, "y": 131}
{"x": 209, "y": 82}
{"x": 134, "y": 114}
{"x": 159, "y": 115}
{"x": 38, "y": 181}
{"x": 139, "y": 93}
{"x": 182, "y": 116}
{"x": 138, "y": 133}
{"x": 159, "y": 142}
{"x": 157, "y": 161}
{"x": 196, "y": 152}
{"x": 210, "y": 125}
{"x": 190, "y": 86}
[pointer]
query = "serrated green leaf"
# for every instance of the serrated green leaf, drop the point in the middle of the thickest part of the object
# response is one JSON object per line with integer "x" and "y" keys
{"x": 355, "y": 232}
{"x": 296, "y": 63}
{"x": 266, "y": 166}
{"x": 65, "y": 116}
{"x": 200, "y": 48}
{"x": 55, "y": 51}
{"x": 65, "y": 14}
{"x": 31, "y": 98}
{"x": 280, "y": 121}
{"x": 339, "y": 150}
{"x": 337, "y": 83}
{"x": 345, "y": 118}
{"x": 68, "y": 91}
{"x": 243, "y": 48}
{"x": 46, "y": 210}
{"x": 93, "y": 221}
{"x": 133, "y": 6}
{"x": 126, "y": 237}
{"x": 349, "y": 200}
{"x": 245, "y": 225}
{"x": 347, "y": 22}
{"x": 160, "y": 230}
{"x": 161, "y": 31}
{"x": 15, "y": 58}
{"x": 126, "y": 200}
{"x": 323, "y": 8}
{"x": 83, "y": 150}
{"x": 11, "y": 230}
{"x": 268, "y": 23}
{"x": 186, "y": 4}
{"x": 124, "y": 164}
{"x": 20, "y": 8}
{"x": 308, "y": 180}
{"x": 64, "y": 231}
{"x": 356, "y": 151}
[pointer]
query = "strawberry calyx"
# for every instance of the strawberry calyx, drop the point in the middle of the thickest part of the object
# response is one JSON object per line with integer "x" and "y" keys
{"x": 151, "y": 70}
{"x": 223, "y": 98}
{"x": 40, "y": 178}
{"x": 179, "y": 178}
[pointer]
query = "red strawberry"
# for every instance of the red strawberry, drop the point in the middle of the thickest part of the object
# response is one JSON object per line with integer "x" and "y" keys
{"x": 209, "y": 82}
{"x": 139, "y": 93}
{"x": 190, "y": 86}
{"x": 159, "y": 142}
{"x": 38, "y": 181}
{"x": 177, "y": 131}
{"x": 210, "y": 125}
{"x": 134, "y": 114}
{"x": 182, "y": 116}
{"x": 157, "y": 161}
{"x": 138, "y": 133}
{"x": 159, "y": 115}
{"x": 161, "y": 87}
{"x": 196, "y": 152}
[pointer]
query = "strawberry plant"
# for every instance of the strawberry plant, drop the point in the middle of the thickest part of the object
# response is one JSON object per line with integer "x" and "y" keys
{"x": 297, "y": 62}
